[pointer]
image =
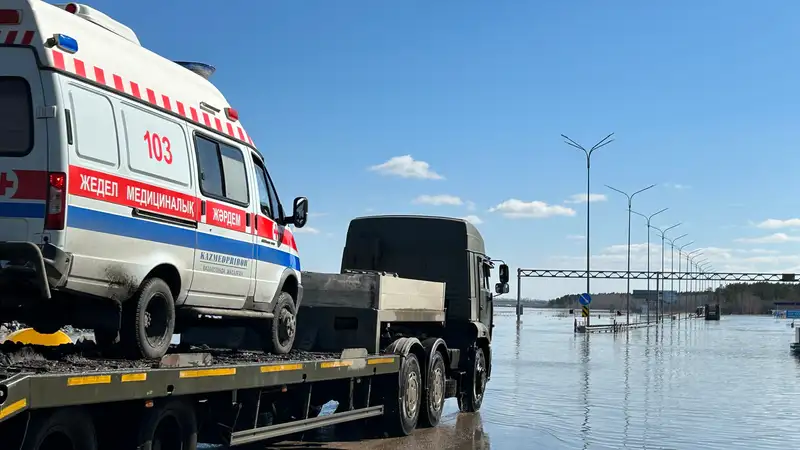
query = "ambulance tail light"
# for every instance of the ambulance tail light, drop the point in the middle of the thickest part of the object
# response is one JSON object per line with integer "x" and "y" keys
{"x": 71, "y": 8}
{"x": 233, "y": 115}
{"x": 10, "y": 17}
{"x": 56, "y": 201}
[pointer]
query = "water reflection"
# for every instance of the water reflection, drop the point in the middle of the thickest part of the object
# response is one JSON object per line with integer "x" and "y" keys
{"x": 695, "y": 385}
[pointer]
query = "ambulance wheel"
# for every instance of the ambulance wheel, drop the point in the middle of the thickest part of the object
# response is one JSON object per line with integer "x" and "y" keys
{"x": 434, "y": 395}
{"x": 474, "y": 384}
{"x": 404, "y": 398}
{"x": 60, "y": 429}
{"x": 283, "y": 328}
{"x": 148, "y": 321}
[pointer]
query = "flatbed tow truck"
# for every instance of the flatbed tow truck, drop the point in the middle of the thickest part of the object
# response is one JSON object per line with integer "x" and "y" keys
{"x": 405, "y": 325}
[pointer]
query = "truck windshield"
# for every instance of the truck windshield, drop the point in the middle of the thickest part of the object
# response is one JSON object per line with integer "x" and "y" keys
{"x": 16, "y": 117}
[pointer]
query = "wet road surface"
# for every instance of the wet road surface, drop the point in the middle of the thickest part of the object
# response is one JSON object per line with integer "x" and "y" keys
{"x": 693, "y": 385}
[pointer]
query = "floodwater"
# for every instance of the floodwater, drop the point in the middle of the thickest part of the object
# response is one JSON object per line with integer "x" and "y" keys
{"x": 690, "y": 384}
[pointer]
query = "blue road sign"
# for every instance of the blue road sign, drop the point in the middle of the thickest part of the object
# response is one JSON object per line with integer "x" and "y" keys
{"x": 793, "y": 314}
{"x": 585, "y": 299}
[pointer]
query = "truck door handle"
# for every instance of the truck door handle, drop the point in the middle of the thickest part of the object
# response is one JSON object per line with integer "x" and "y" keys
{"x": 267, "y": 241}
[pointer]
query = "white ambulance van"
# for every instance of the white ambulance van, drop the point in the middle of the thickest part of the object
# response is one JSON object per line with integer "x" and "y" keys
{"x": 132, "y": 201}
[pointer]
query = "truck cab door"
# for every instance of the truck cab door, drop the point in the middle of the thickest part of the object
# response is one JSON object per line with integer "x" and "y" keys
{"x": 485, "y": 305}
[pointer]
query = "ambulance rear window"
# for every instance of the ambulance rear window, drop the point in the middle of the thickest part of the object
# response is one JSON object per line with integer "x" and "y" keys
{"x": 16, "y": 117}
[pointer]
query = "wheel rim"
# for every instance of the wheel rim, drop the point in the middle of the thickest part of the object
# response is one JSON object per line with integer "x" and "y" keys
{"x": 288, "y": 326}
{"x": 480, "y": 376}
{"x": 437, "y": 389}
{"x": 156, "y": 320}
{"x": 412, "y": 393}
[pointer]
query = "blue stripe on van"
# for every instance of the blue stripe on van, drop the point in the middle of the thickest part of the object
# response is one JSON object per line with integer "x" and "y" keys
{"x": 22, "y": 210}
{"x": 92, "y": 220}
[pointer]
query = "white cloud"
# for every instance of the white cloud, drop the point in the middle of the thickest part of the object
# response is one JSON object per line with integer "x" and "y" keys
{"x": 406, "y": 167}
{"x": 305, "y": 230}
{"x": 581, "y": 198}
{"x": 774, "y": 224}
{"x": 776, "y": 238}
{"x": 518, "y": 209}
{"x": 438, "y": 200}
{"x": 470, "y": 205}
{"x": 475, "y": 220}
{"x": 677, "y": 186}
{"x": 576, "y": 237}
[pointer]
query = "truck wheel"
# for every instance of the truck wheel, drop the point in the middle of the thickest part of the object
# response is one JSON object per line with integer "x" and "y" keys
{"x": 169, "y": 425}
{"x": 431, "y": 414}
{"x": 61, "y": 429}
{"x": 403, "y": 403}
{"x": 471, "y": 397}
{"x": 148, "y": 321}
{"x": 283, "y": 327}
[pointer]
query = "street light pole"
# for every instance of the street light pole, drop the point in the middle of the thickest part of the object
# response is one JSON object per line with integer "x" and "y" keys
{"x": 630, "y": 201}
{"x": 672, "y": 267}
{"x": 680, "y": 251}
{"x": 647, "y": 220}
{"x": 706, "y": 267}
{"x": 689, "y": 263}
{"x": 701, "y": 282}
{"x": 659, "y": 302}
{"x": 602, "y": 143}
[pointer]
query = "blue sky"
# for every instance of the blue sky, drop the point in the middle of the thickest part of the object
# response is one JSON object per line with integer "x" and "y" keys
{"x": 464, "y": 102}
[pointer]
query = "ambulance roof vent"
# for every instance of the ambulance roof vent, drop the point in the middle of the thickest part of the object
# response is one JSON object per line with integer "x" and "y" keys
{"x": 202, "y": 69}
{"x": 100, "y": 19}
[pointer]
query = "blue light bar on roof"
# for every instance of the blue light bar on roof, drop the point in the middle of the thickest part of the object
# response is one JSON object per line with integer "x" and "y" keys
{"x": 66, "y": 43}
{"x": 202, "y": 69}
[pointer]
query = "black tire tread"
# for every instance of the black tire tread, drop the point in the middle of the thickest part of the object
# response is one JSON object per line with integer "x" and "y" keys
{"x": 74, "y": 422}
{"x": 429, "y": 417}
{"x": 132, "y": 321}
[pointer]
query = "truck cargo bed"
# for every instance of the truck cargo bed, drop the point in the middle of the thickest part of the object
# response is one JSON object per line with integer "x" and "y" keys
{"x": 33, "y": 377}
{"x": 84, "y": 356}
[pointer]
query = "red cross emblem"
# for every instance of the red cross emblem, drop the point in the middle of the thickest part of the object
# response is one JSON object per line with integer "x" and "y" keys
{"x": 8, "y": 184}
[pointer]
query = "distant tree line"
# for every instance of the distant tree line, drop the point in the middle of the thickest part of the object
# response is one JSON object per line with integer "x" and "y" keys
{"x": 734, "y": 298}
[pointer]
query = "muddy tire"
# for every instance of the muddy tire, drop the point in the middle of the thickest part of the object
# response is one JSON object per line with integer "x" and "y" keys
{"x": 148, "y": 321}
{"x": 434, "y": 394}
{"x": 404, "y": 399}
{"x": 169, "y": 425}
{"x": 471, "y": 397}
{"x": 61, "y": 429}
{"x": 283, "y": 329}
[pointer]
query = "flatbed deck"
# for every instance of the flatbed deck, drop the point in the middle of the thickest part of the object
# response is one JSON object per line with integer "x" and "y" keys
{"x": 42, "y": 377}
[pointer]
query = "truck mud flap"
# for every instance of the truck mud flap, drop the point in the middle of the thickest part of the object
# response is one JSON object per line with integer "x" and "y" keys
{"x": 33, "y": 267}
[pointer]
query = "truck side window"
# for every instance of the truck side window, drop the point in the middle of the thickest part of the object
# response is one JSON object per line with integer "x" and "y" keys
{"x": 263, "y": 190}
{"x": 223, "y": 174}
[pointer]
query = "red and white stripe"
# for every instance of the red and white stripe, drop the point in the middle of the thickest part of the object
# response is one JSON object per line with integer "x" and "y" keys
{"x": 16, "y": 37}
{"x": 77, "y": 66}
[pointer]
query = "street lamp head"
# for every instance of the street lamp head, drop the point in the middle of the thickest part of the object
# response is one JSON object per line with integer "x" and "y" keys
{"x": 694, "y": 251}
{"x": 680, "y": 249}
{"x": 680, "y": 237}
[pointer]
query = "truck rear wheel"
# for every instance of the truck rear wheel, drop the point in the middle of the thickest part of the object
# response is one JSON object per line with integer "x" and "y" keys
{"x": 170, "y": 425}
{"x": 148, "y": 321}
{"x": 474, "y": 386}
{"x": 431, "y": 412}
{"x": 61, "y": 429}
{"x": 404, "y": 398}
{"x": 283, "y": 328}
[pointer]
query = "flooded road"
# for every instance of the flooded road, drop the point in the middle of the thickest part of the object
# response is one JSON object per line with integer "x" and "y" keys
{"x": 693, "y": 385}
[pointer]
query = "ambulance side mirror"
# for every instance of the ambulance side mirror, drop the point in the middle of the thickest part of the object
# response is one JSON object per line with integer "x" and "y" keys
{"x": 300, "y": 212}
